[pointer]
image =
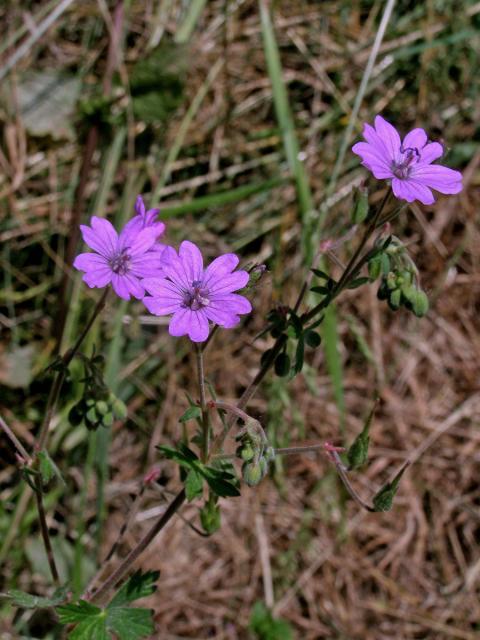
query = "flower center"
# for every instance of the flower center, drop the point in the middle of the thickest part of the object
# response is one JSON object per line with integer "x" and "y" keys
{"x": 403, "y": 168}
{"x": 120, "y": 263}
{"x": 197, "y": 297}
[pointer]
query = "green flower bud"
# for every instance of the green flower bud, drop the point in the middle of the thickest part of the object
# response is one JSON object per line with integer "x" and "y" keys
{"x": 102, "y": 407}
{"x": 395, "y": 299}
{"x": 107, "y": 419}
{"x": 375, "y": 267}
{"x": 91, "y": 415}
{"x": 253, "y": 473}
{"x": 391, "y": 280}
{"x": 420, "y": 304}
{"x": 119, "y": 409}
{"x": 409, "y": 292}
{"x": 246, "y": 452}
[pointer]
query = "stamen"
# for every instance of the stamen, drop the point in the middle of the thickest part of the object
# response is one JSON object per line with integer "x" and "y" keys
{"x": 403, "y": 168}
{"x": 120, "y": 263}
{"x": 197, "y": 297}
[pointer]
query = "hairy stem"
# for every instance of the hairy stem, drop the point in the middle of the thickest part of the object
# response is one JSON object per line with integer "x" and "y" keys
{"x": 203, "y": 403}
{"x": 44, "y": 529}
{"x": 352, "y": 263}
{"x": 15, "y": 441}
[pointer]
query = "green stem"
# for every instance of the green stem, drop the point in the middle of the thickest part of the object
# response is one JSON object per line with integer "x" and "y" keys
{"x": 44, "y": 529}
{"x": 203, "y": 403}
{"x": 351, "y": 266}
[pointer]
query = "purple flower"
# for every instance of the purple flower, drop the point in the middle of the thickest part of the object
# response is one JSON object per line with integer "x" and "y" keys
{"x": 115, "y": 260}
{"x": 407, "y": 163}
{"x": 142, "y": 220}
{"x": 195, "y": 295}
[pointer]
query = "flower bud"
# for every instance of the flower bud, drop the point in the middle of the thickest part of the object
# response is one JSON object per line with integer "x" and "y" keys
{"x": 253, "y": 473}
{"x": 375, "y": 267}
{"x": 420, "y": 304}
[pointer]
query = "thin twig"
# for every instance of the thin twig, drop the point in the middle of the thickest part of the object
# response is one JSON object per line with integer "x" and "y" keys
{"x": 44, "y": 529}
{"x": 203, "y": 403}
{"x": 24, "y": 49}
{"x": 16, "y": 442}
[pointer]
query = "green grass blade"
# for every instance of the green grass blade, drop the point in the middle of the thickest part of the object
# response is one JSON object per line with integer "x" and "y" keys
{"x": 187, "y": 27}
{"x": 287, "y": 128}
{"x": 221, "y": 198}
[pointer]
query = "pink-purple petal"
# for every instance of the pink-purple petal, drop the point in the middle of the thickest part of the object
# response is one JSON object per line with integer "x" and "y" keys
{"x": 105, "y": 231}
{"x": 160, "y": 306}
{"x": 220, "y": 266}
{"x": 231, "y": 301}
{"x": 439, "y": 178}
{"x": 143, "y": 241}
{"x": 98, "y": 278}
{"x": 229, "y": 283}
{"x": 120, "y": 287}
{"x": 409, "y": 190}
{"x": 147, "y": 265}
{"x": 415, "y": 139}
{"x": 389, "y": 136}
{"x": 221, "y": 316}
{"x": 134, "y": 286}
{"x": 194, "y": 323}
{"x": 160, "y": 287}
{"x": 192, "y": 260}
{"x": 430, "y": 152}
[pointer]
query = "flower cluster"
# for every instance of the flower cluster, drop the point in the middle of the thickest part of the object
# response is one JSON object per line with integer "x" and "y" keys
{"x": 135, "y": 262}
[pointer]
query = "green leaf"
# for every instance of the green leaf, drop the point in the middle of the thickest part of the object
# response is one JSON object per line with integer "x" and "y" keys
{"x": 139, "y": 585}
{"x": 193, "y": 485}
{"x": 93, "y": 628}
{"x": 383, "y": 499}
{"x": 130, "y": 623}
{"x": 321, "y": 274}
{"x": 321, "y": 290}
{"x": 48, "y": 469}
{"x": 358, "y": 452}
{"x": 221, "y": 482}
{"x": 357, "y": 282}
{"x": 115, "y": 621}
{"x": 266, "y": 627}
{"x": 183, "y": 455}
{"x": 30, "y": 601}
{"x": 296, "y": 324}
{"x": 192, "y": 413}
{"x": 299, "y": 355}
{"x": 76, "y": 612}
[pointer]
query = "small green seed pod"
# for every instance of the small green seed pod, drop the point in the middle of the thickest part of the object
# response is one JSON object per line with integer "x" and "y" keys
{"x": 420, "y": 304}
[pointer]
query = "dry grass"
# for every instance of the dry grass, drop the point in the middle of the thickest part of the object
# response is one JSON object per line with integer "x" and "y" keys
{"x": 412, "y": 573}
